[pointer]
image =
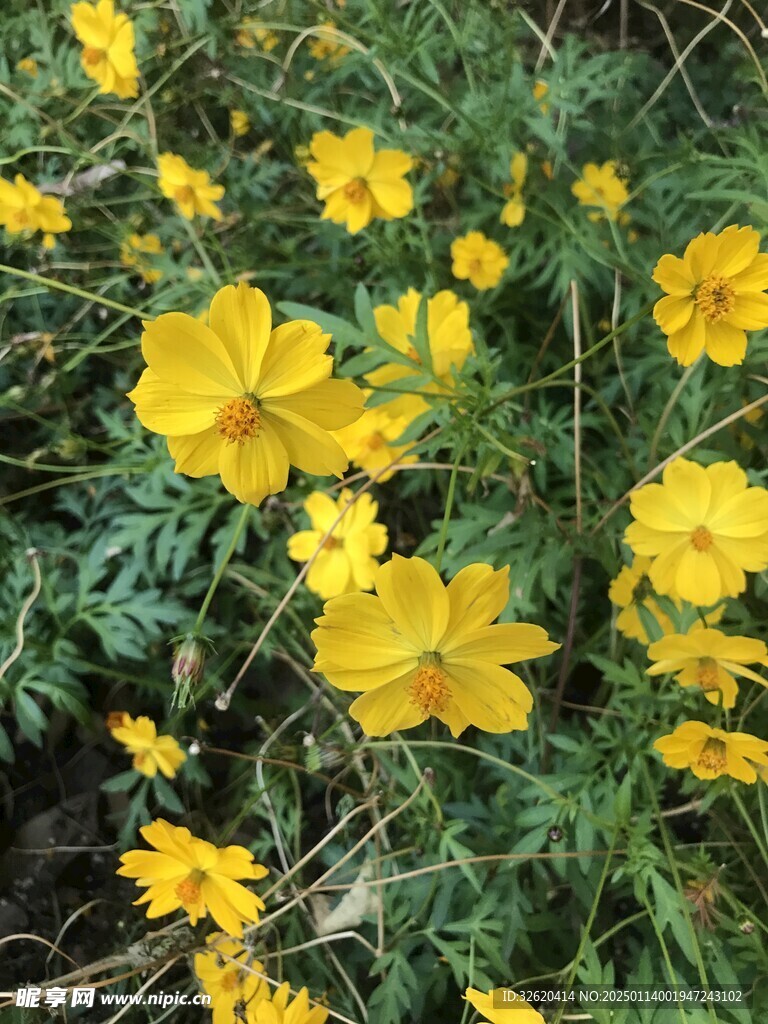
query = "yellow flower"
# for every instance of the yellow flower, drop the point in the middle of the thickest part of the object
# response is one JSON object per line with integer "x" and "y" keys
{"x": 133, "y": 251}
{"x": 234, "y": 990}
{"x": 518, "y": 1011}
{"x": 357, "y": 183}
{"x": 513, "y": 212}
{"x": 248, "y": 37}
{"x": 479, "y": 259}
{"x": 703, "y": 527}
{"x": 450, "y": 343}
{"x": 368, "y": 442}
{"x": 196, "y": 875}
{"x": 327, "y": 46}
{"x": 540, "y": 90}
{"x": 420, "y": 649}
{"x": 108, "y": 56}
{"x": 279, "y": 1011}
{"x": 239, "y": 122}
{"x": 709, "y": 659}
{"x": 150, "y": 751}
{"x": 710, "y": 753}
{"x": 191, "y": 190}
{"x": 242, "y": 400}
{"x": 601, "y": 186}
{"x": 632, "y": 589}
{"x": 346, "y": 564}
{"x": 24, "y": 209}
{"x": 28, "y": 65}
{"x": 715, "y": 293}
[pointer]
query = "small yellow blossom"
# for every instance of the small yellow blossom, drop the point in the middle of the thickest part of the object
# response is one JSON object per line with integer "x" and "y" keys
{"x": 326, "y": 45}
{"x": 278, "y": 1010}
{"x": 601, "y": 186}
{"x": 346, "y": 563}
{"x": 517, "y": 1012}
{"x": 235, "y": 991}
{"x": 710, "y": 753}
{"x": 24, "y": 209}
{"x": 513, "y": 213}
{"x": 242, "y": 400}
{"x": 703, "y": 527}
{"x": 151, "y": 752}
{"x": 368, "y": 442}
{"x": 478, "y": 259}
{"x": 708, "y": 659}
{"x": 249, "y": 37}
{"x": 191, "y": 190}
{"x": 133, "y": 253}
{"x": 418, "y": 648}
{"x": 196, "y": 875}
{"x": 450, "y": 344}
{"x": 715, "y": 293}
{"x": 540, "y": 91}
{"x": 28, "y": 65}
{"x": 239, "y": 122}
{"x": 358, "y": 183}
{"x": 108, "y": 43}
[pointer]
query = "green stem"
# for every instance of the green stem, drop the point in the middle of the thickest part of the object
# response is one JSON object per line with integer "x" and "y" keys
{"x": 220, "y": 571}
{"x": 750, "y": 824}
{"x": 48, "y": 282}
{"x": 448, "y": 506}
{"x": 532, "y": 385}
{"x": 671, "y": 403}
{"x": 201, "y": 252}
{"x": 665, "y": 953}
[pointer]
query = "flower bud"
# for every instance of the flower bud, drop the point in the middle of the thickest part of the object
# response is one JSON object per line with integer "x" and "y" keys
{"x": 189, "y": 656}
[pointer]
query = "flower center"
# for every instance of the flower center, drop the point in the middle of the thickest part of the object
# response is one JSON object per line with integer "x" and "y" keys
{"x": 713, "y": 756}
{"x": 428, "y": 690}
{"x": 230, "y": 980}
{"x": 92, "y": 55}
{"x": 188, "y": 891}
{"x": 238, "y": 420}
{"x": 184, "y": 194}
{"x": 642, "y": 590}
{"x": 355, "y": 191}
{"x": 376, "y": 441}
{"x": 709, "y": 678}
{"x": 475, "y": 265}
{"x": 331, "y": 544}
{"x": 20, "y": 218}
{"x": 715, "y": 297}
{"x": 701, "y": 538}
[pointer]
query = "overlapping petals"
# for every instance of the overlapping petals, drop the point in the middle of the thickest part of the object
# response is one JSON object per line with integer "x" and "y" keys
{"x": 710, "y": 753}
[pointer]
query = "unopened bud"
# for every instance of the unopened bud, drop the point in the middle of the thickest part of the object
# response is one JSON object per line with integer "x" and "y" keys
{"x": 189, "y": 656}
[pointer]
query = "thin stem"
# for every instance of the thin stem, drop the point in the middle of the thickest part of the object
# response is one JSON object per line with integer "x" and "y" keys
{"x": 224, "y": 563}
{"x": 750, "y": 824}
{"x": 448, "y": 506}
{"x": 81, "y": 293}
{"x": 671, "y": 403}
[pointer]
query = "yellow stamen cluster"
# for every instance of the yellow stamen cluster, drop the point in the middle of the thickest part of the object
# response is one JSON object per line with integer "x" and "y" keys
{"x": 428, "y": 691}
{"x": 355, "y": 191}
{"x": 92, "y": 55}
{"x": 188, "y": 891}
{"x": 713, "y": 756}
{"x": 708, "y": 674}
{"x": 701, "y": 538}
{"x": 238, "y": 420}
{"x": 715, "y": 297}
{"x": 184, "y": 194}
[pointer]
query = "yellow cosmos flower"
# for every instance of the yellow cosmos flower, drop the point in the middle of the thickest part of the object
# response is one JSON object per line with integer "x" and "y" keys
{"x": 704, "y": 526}
{"x": 28, "y": 65}
{"x": 239, "y": 122}
{"x": 279, "y": 1011}
{"x": 234, "y": 990}
{"x": 133, "y": 252}
{"x": 450, "y": 343}
{"x": 540, "y": 91}
{"x": 633, "y": 589}
{"x": 715, "y": 293}
{"x": 708, "y": 659}
{"x": 151, "y": 752}
{"x": 518, "y": 1012}
{"x": 24, "y": 209}
{"x": 242, "y": 400}
{"x": 513, "y": 213}
{"x": 196, "y": 875}
{"x": 601, "y": 186}
{"x": 419, "y": 648}
{"x": 327, "y": 46}
{"x": 249, "y": 37}
{"x": 108, "y": 42}
{"x": 191, "y": 190}
{"x": 710, "y": 753}
{"x": 346, "y": 563}
{"x": 358, "y": 183}
{"x": 368, "y": 442}
{"x": 478, "y": 259}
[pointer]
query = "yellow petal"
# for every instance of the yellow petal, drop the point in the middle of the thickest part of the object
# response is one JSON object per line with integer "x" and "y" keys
{"x": 414, "y": 596}
{"x": 182, "y": 351}
{"x": 673, "y": 276}
{"x": 167, "y": 409}
{"x": 242, "y": 319}
{"x": 502, "y": 644}
{"x": 294, "y": 360}
{"x": 387, "y": 708}
{"x": 737, "y": 250}
{"x": 253, "y": 470}
{"x": 477, "y": 594}
{"x": 724, "y": 344}
{"x": 673, "y": 312}
{"x": 196, "y": 454}
{"x": 310, "y": 448}
{"x": 493, "y": 698}
{"x": 687, "y": 344}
